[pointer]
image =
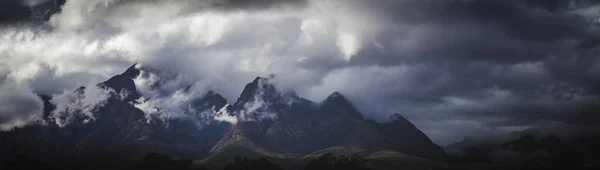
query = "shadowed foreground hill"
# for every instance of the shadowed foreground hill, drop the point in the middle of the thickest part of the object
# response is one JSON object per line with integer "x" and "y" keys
{"x": 532, "y": 153}
{"x": 328, "y": 161}
{"x": 156, "y": 161}
{"x": 245, "y": 163}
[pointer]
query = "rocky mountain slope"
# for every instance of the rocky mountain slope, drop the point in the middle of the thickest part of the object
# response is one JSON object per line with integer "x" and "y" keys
{"x": 270, "y": 123}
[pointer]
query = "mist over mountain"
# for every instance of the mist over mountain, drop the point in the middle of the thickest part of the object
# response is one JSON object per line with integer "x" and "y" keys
{"x": 262, "y": 122}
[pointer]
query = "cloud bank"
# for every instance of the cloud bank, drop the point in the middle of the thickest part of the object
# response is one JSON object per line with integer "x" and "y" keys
{"x": 454, "y": 68}
{"x": 19, "y": 106}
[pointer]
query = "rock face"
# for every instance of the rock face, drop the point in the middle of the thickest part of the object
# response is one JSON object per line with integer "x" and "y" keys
{"x": 270, "y": 122}
{"x": 300, "y": 126}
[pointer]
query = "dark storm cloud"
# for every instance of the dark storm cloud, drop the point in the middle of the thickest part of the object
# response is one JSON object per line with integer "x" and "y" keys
{"x": 14, "y": 11}
{"x": 257, "y": 4}
{"x": 500, "y": 31}
{"x": 534, "y": 20}
{"x": 22, "y": 107}
{"x": 499, "y": 63}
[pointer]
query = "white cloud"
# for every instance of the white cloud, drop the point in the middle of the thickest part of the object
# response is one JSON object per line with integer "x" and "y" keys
{"x": 79, "y": 105}
{"x": 224, "y": 115}
{"x": 220, "y": 49}
{"x": 349, "y": 45}
{"x": 173, "y": 98}
{"x": 164, "y": 98}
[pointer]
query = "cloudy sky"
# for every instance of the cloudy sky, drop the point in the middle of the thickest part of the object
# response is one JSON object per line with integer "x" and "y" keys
{"x": 455, "y": 68}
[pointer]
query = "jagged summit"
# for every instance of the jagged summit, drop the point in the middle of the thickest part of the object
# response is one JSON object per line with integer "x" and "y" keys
{"x": 124, "y": 83}
{"x": 336, "y": 98}
{"x": 337, "y": 103}
{"x": 399, "y": 119}
{"x": 396, "y": 117}
{"x": 251, "y": 88}
{"x": 259, "y": 88}
{"x": 335, "y": 95}
{"x": 211, "y": 100}
{"x": 132, "y": 72}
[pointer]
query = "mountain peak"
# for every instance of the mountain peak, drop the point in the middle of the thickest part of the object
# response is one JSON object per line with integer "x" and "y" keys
{"x": 336, "y": 97}
{"x": 259, "y": 86}
{"x": 338, "y": 103}
{"x": 132, "y": 72}
{"x": 256, "y": 80}
{"x": 398, "y": 117}
{"x": 211, "y": 100}
{"x": 124, "y": 81}
{"x": 398, "y": 120}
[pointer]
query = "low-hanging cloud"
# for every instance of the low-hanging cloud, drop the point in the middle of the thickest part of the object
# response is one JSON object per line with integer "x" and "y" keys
{"x": 173, "y": 96}
{"x": 451, "y": 67}
{"x": 79, "y": 105}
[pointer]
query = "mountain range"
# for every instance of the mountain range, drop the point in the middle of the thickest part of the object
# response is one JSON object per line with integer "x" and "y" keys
{"x": 270, "y": 123}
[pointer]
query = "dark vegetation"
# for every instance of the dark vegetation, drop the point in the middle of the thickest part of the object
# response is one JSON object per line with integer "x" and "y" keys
{"x": 24, "y": 162}
{"x": 328, "y": 161}
{"x": 245, "y": 163}
{"x": 531, "y": 153}
{"x": 158, "y": 161}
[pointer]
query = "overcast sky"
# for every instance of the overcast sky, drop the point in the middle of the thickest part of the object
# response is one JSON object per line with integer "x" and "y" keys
{"x": 472, "y": 68}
